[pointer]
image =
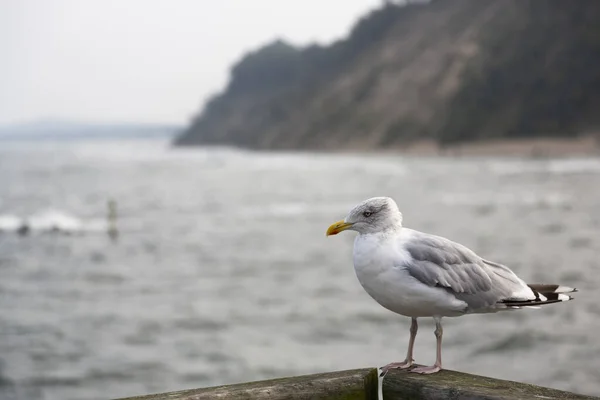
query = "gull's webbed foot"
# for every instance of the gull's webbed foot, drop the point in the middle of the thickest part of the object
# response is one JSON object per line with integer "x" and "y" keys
{"x": 427, "y": 370}
{"x": 396, "y": 365}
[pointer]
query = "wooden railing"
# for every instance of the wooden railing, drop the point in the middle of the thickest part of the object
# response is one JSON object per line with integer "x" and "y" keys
{"x": 362, "y": 384}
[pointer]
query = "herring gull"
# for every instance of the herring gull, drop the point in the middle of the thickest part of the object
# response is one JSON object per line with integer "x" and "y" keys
{"x": 416, "y": 274}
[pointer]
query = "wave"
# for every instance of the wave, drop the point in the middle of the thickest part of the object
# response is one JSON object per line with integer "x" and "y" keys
{"x": 567, "y": 166}
{"x": 528, "y": 199}
{"x": 287, "y": 209}
{"x": 51, "y": 221}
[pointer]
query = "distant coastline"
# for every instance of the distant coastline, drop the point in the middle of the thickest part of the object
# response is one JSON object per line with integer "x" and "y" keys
{"x": 68, "y": 130}
{"x": 584, "y": 146}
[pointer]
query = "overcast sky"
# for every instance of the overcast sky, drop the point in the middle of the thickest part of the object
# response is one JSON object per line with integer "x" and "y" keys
{"x": 142, "y": 60}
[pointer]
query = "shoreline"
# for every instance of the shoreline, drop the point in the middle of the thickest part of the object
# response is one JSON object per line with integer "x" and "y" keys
{"x": 584, "y": 146}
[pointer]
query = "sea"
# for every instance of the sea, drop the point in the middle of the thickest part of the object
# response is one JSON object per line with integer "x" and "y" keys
{"x": 221, "y": 271}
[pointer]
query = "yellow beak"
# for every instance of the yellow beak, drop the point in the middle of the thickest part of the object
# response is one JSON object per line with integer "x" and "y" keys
{"x": 338, "y": 227}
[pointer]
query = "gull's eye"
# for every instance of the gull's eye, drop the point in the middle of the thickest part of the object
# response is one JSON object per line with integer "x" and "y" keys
{"x": 367, "y": 214}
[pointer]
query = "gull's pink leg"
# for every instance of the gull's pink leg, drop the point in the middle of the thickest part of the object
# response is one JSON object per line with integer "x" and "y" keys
{"x": 438, "y": 359}
{"x": 409, "y": 354}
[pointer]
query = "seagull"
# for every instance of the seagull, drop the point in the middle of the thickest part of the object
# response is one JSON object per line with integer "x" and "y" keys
{"x": 416, "y": 274}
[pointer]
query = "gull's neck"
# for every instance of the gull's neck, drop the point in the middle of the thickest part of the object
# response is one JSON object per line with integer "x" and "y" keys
{"x": 390, "y": 231}
{"x": 395, "y": 225}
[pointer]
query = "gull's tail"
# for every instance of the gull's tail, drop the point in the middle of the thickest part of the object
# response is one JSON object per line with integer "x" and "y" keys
{"x": 544, "y": 294}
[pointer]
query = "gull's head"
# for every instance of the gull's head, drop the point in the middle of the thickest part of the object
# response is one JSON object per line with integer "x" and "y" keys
{"x": 373, "y": 215}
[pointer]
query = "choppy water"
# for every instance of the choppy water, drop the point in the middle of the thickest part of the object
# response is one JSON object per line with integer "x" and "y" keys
{"x": 222, "y": 272}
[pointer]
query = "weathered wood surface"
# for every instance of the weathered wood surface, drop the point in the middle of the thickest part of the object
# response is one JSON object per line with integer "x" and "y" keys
{"x": 455, "y": 385}
{"x": 361, "y": 384}
{"x": 343, "y": 385}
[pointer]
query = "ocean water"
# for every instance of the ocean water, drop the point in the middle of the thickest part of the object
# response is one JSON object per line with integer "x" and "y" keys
{"x": 222, "y": 272}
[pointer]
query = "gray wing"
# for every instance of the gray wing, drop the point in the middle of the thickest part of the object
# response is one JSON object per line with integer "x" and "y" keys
{"x": 439, "y": 262}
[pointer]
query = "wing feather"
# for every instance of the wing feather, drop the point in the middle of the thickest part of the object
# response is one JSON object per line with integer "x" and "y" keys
{"x": 439, "y": 262}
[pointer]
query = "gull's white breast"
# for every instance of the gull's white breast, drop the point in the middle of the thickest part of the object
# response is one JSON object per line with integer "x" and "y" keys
{"x": 379, "y": 261}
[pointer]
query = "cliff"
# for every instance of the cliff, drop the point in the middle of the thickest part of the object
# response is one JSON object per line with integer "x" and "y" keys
{"x": 446, "y": 70}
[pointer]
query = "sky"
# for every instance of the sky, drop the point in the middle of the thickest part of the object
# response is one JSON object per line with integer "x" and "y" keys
{"x": 149, "y": 61}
